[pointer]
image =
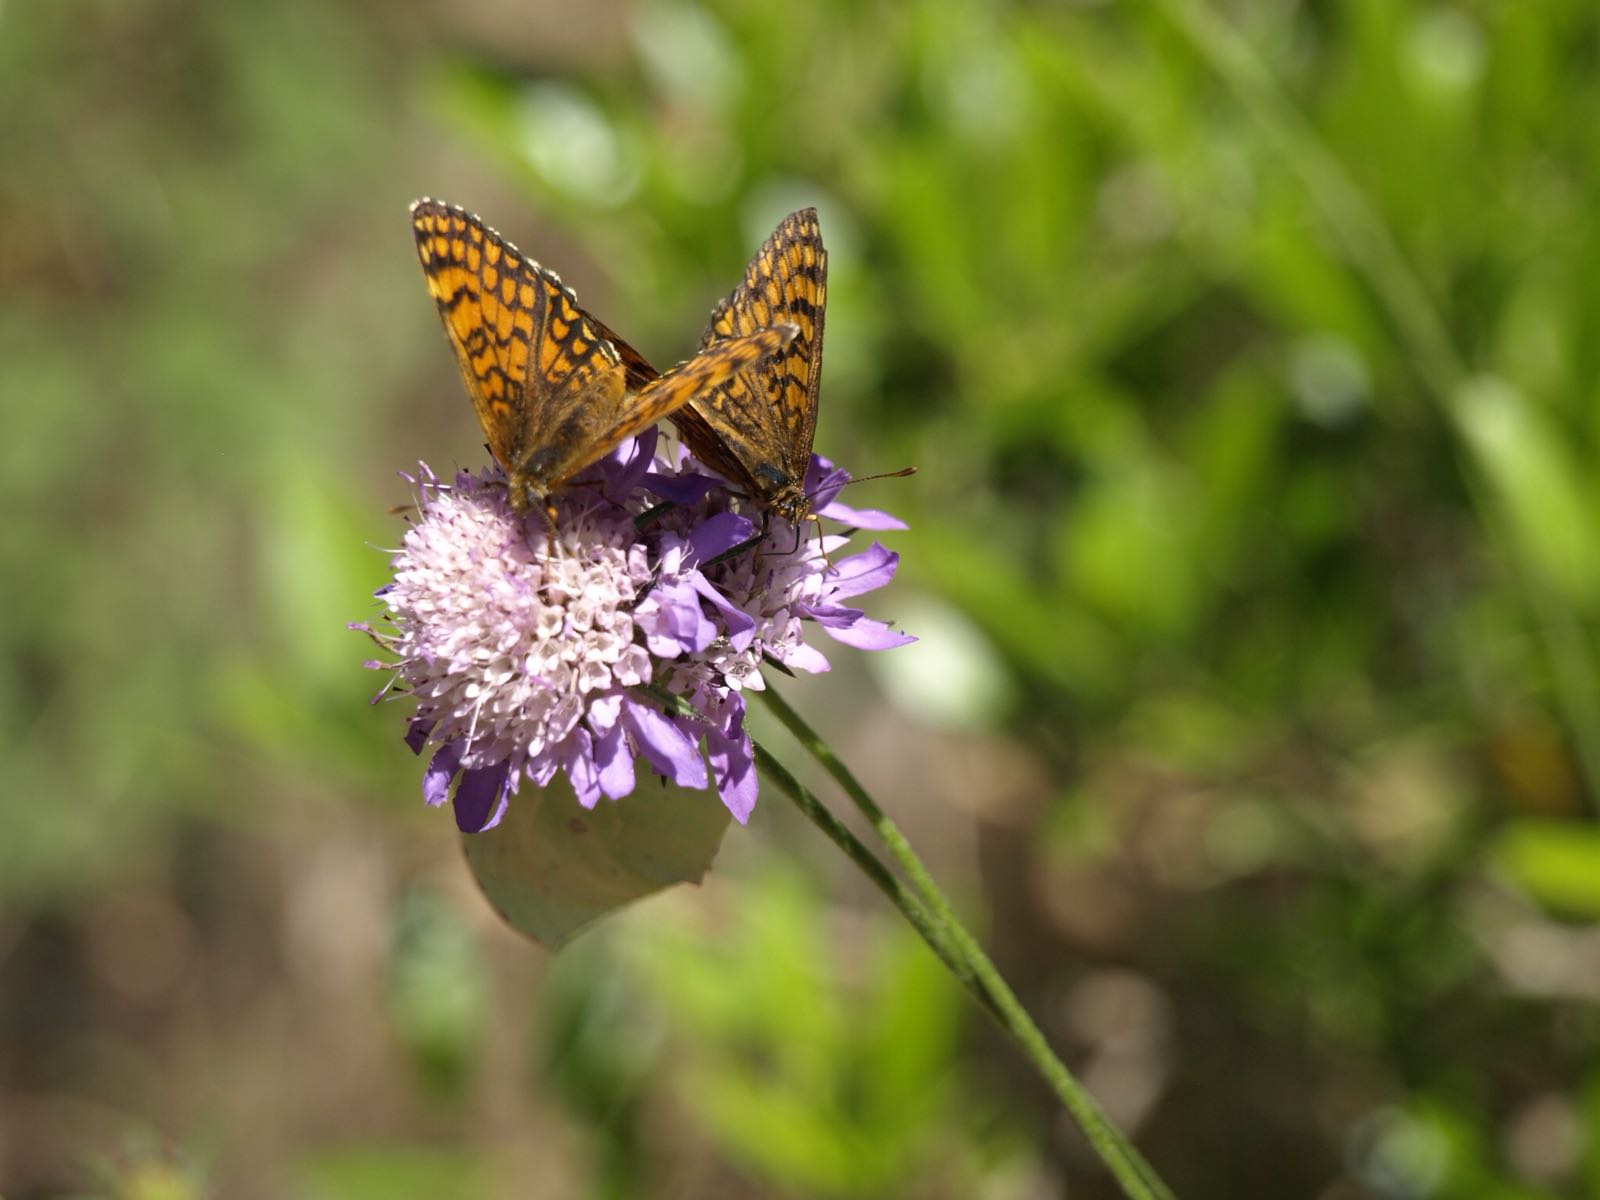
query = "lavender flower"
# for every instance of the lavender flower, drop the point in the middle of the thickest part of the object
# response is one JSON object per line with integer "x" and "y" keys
{"x": 528, "y": 654}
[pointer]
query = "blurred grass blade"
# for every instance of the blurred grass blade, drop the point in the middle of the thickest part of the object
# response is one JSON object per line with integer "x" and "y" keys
{"x": 1556, "y": 863}
{"x": 1535, "y": 485}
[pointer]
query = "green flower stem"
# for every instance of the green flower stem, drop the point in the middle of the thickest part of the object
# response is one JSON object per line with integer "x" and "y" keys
{"x": 872, "y": 867}
{"x": 885, "y": 828}
{"x": 950, "y": 939}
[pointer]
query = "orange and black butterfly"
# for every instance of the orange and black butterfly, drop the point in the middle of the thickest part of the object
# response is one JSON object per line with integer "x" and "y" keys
{"x": 756, "y": 428}
{"x": 550, "y": 386}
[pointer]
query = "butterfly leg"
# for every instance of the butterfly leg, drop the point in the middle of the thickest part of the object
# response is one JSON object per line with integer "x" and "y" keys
{"x": 548, "y": 511}
{"x": 766, "y": 524}
{"x": 821, "y": 545}
{"x": 799, "y": 537}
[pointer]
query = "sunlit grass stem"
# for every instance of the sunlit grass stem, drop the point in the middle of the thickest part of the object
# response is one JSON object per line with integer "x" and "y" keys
{"x": 872, "y": 867}
{"x": 950, "y": 939}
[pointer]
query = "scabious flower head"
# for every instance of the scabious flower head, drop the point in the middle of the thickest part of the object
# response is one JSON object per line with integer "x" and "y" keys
{"x": 529, "y": 652}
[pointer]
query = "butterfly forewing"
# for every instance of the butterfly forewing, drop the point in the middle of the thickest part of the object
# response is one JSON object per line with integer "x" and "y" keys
{"x": 640, "y": 373}
{"x": 547, "y": 387}
{"x": 713, "y": 367}
{"x": 718, "y": 364}
{"x": 757, "y": 429}
{"x": 658, "y": 395}
{"x": 554, "y": 388}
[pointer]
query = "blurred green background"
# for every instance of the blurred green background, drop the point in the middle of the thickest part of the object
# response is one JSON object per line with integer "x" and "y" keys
{"x": 1251, "y": 359}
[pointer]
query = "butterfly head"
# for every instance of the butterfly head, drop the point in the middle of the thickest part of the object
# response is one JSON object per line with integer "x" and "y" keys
{"x": 520, "y": 493}
{"x": 791, "y": 503}
{"x": 525, "y": 496}
{"x": 781, "y": 493}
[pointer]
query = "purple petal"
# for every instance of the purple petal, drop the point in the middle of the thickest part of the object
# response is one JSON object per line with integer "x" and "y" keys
{"x": 823, "y": 484}
{"x": 833, "y": 616}
{"x": 665, "y": 745}
{"x": 671, "y": 552}
{"x": 740, "y": 624}
{"x": 577, "y": 754}
{"x": 543, "y": 769}
{"x": 481, "y": 798}
{"x": 859, "y": 518}
{"x": 719, "y": 534}
{"x": 615, "y": 760}
{"x": 735, "y": 773}
{"x": 441, "y": 770}
{"x": 673, "y": 621}
{"x": 823, "y": 481}
{"x": 866, "y": 634}
{"x": 604, "y": 710}
{"x": 732, "y": 763}
{"x": 680, "y": 489}
{"x": 801, "y": 657}
{"x": 417, "y": 731}
{"x": 863, "y": 572}
{"x": 637, "y": 464}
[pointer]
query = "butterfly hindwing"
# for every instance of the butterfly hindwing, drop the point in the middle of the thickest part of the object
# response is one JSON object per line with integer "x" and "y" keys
{"x": 757, "y": 429}
{"x": 640, "y": 373}
{"x": 715, "y": 366}
{"x": 719, "y": 364}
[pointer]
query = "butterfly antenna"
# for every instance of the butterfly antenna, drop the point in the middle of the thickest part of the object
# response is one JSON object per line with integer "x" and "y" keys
{"x": 902, "y": 473}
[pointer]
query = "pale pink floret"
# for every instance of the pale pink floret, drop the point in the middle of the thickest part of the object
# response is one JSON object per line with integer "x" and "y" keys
{"x": 526, "y": 653}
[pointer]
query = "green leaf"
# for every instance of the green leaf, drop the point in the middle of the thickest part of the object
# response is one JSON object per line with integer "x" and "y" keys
{"x": 551, "y": 868}
{"x": 1537, "y": 483}
{"x": 1556, "y": 863}
{"x": 391, "y": 1170}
